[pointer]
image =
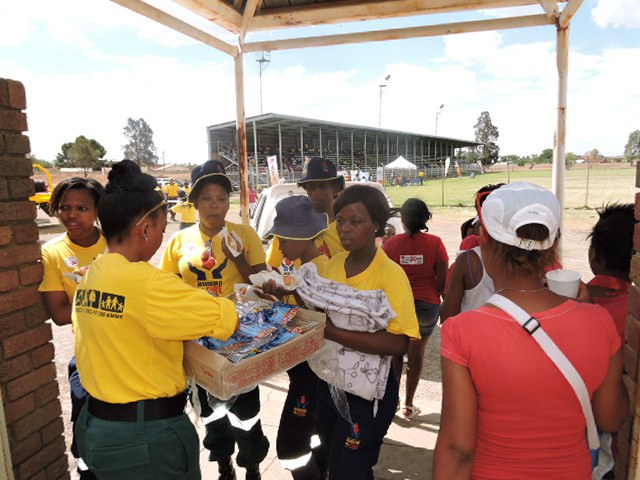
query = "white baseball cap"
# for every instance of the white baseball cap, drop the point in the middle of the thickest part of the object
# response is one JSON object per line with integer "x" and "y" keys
{"x": 521, "y": 203}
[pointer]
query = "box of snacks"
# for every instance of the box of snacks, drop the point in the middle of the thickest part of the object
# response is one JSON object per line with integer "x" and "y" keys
{"x": 273, "y": 337}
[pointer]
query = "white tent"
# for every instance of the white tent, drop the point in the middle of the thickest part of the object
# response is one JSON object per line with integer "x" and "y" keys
{"x": 400, "y": 163}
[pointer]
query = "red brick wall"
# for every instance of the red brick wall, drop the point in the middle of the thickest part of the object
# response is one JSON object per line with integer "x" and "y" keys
{"x": 627, "y": 459}
{"x": 28, "y": 374}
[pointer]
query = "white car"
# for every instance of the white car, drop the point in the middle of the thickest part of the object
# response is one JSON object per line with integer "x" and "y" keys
{"x": 265, "y": 211}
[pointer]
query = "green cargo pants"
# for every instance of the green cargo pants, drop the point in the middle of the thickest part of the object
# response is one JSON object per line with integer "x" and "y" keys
{"x": 142, "y": 450}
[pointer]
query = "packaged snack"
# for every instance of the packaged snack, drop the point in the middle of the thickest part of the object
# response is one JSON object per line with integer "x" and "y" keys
{"x": 288, "y": 281}
{"x": 73, "y": 276}
{"x": 263, "y": 326}
{"x": 232, "y": 240}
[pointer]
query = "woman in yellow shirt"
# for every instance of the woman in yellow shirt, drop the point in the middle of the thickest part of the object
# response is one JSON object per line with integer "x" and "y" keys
{"x": 204, "y": 260}
{"x": 361, "y": 215}
{"x": 75, "y": 202}
{"x": 129, "y": 348}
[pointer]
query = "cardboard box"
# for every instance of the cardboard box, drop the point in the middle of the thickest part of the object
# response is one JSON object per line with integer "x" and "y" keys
{"x": 225, "y": 379}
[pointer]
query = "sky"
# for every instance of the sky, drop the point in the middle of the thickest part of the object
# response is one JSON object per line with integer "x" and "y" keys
{"x": 89, "y": 65}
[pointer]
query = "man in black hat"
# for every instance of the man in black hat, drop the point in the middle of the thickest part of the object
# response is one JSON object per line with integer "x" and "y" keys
{"x": 322, "y": 183}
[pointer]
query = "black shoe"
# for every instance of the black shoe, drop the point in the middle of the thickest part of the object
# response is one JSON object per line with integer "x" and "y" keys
{"x": 253, "y": 472}
{"x": 226, "y": 470}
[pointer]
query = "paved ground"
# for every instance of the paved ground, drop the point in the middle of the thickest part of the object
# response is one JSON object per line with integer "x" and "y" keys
{"x": 408, "y": 449}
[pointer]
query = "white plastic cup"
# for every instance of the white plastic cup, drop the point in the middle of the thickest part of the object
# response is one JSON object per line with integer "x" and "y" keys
{"x": 564, "y": 282}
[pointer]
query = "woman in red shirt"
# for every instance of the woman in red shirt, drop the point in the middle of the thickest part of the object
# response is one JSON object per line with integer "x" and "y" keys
{"x": 424, "y": 259}
{"x": 508, "y": 411}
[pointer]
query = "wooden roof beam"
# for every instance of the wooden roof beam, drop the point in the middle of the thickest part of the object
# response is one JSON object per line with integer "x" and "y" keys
{"x": 216, "y": 11}
{"x": 351, "y": 11}
{"x": 401, "y": 33}
{"x": 176, "y": 24}
{"x": 247, "y": 16}
{"x": 550, "y": 8}
{"x": 568, "y": 12}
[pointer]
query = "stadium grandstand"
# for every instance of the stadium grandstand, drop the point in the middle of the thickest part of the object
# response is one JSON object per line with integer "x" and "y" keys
{"x": 351, "y": 147}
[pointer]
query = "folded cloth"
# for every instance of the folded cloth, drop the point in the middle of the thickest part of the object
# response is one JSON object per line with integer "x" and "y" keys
{"x": 361, "y": 374}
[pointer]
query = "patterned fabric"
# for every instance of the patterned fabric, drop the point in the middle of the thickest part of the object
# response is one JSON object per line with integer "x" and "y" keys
{"x": 355, "y": 372}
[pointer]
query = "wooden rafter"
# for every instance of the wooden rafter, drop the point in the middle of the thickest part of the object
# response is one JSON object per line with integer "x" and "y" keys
{"x": 550, "y": 8}
{"x": 247, "y": 16}
{"x": 176, "y": 24}
{"x": 401, "y": 33}
{"x": 568, "y": 12}
{"x": 351, "y": 11}
{"x": 216, "y": 11}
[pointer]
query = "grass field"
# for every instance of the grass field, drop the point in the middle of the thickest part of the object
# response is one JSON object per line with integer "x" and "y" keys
{"x": 605, "y": 185}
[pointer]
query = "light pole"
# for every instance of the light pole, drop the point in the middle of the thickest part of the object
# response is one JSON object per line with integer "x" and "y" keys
{"x": 382, "y": 87}
{"x": 263, "y": 59}
{"x": 438, "y": 113}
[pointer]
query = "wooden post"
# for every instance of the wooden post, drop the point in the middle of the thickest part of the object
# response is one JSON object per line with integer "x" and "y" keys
{"x": 241, "y": 137}
{"x": 586, "y": 193}
{"x": 280, "y": 147}
{"x": 255, "y": 154}
{"x": 352, "y": 158}
{"x": 301, "y": 145}
{"x": 387, "y": 148}
{"x": 559, "y": 167}
{"x": 365, "y": 150}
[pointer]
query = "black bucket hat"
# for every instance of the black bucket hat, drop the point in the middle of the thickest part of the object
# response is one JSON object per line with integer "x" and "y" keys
{"x": 296, "y": 219}
{"x": 318, "y": 169}
{"x": 210, "y": 171}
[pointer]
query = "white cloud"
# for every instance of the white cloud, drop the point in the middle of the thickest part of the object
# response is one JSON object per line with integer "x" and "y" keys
{"x": 14, "y": 30}
{"x": 179, "y": 97}
{"x": 617, "y": 13}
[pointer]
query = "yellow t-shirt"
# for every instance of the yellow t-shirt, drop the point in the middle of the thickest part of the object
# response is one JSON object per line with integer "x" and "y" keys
{"x": 60, "y": 255}
{"x": 171, "y": 190}
{"x": 208, "y": 268}
{"x": 130, "y": 321}
{"x": 186, "y": 190}
{"x": 386, "y": 275}
{"x": 328, "y": 243}
{"x": 188, "y": 213}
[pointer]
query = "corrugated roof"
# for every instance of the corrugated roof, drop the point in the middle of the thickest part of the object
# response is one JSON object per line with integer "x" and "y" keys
{"x": 290, "y": 125}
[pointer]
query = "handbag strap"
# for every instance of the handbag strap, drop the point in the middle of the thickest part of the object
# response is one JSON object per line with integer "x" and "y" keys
{"x": 533, "y": 328}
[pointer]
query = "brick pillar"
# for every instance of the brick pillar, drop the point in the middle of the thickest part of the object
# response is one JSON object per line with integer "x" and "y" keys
{"x": 627, "y": 465}
{"x": 28, "y": 375}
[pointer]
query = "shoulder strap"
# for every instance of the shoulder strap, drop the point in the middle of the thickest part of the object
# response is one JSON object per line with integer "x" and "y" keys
{"x": 473, "y": 280}
{"x": 533, "y": 328}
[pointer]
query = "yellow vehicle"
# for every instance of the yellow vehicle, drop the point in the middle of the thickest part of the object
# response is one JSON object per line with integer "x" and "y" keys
{"x": 43, "y": 189}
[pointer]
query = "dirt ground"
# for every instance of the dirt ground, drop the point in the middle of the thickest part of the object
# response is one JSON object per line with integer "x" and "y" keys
{"x": 408, "y": 449}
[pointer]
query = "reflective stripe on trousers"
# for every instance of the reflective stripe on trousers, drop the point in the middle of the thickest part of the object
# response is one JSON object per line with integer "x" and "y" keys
{"x": 301, "y": 461}
{"x": 245, "y": 425}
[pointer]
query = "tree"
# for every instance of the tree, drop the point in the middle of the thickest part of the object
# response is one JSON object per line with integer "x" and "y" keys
{"x": 34, "y": 159}
{"x": 632, "y": 148}
{"x": 487, "y": 134}
{"x": 140, "y": 147}
{"x": 84, "y": 153}
{"x": 546, "y": 156}
{"x": 593, "y": 156}
{"x": 571, "y": 157}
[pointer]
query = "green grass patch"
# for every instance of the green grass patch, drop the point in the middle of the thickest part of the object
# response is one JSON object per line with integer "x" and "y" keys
{"x": 604, "y": 185}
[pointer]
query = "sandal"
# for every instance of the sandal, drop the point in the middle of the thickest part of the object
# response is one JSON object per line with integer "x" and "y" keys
{"x": 410, "y": 411}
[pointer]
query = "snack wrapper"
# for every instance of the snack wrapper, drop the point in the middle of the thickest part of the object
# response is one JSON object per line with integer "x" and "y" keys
{"x": 73, "y": 276}
{"x": 263, "y": 326}
{"x": 232, "y": 240}
{"x": 287, "y": 282}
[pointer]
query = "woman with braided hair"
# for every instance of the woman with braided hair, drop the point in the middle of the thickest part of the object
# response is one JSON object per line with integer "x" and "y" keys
{"x": 129, "y": 347}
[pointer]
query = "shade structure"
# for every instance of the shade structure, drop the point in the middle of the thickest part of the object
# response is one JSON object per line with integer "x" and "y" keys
{"x": 400, "y": 163}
